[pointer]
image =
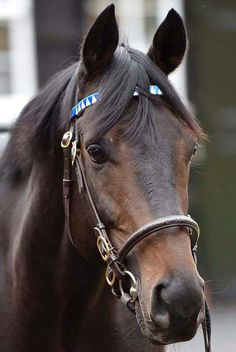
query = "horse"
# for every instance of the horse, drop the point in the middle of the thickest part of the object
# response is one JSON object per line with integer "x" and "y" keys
{"x": 107, "y": 211}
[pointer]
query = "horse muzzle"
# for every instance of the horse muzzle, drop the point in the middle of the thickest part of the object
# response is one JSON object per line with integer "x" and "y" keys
{"x": 175, "y": 314}
{"x": 177, "y": 308}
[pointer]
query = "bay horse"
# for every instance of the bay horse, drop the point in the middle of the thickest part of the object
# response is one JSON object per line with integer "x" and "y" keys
{"x": 127, "y": 148}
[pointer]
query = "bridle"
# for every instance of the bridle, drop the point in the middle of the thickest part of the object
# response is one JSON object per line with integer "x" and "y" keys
{"x": 116, "y": 271}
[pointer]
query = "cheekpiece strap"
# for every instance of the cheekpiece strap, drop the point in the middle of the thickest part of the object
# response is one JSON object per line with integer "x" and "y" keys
{"x": 92, "y": 99}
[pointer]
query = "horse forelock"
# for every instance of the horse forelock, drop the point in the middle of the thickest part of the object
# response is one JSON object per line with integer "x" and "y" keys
{"x": 132, "y": 69}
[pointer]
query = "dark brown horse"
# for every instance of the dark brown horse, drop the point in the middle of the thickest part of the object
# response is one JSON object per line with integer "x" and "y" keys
{"x": 135, "y": 153}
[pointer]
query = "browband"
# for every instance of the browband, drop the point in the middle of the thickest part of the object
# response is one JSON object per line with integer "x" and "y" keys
{"x": 92, "y": 99}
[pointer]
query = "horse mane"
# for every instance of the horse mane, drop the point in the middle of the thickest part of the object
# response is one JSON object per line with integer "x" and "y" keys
{"x": 41, "y": 123}
{"x": 39, "y": 128}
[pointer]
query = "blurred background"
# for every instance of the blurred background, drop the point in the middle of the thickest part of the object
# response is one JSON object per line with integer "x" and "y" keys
{"x": 40, "y": 37}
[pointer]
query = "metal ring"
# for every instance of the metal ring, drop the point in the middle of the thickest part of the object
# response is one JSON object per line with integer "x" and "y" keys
{"x": 133, "y": 287}
{"x": 103, "y": 246}
{"x": 66, "y": 139}
{"x": 113, "y": 277}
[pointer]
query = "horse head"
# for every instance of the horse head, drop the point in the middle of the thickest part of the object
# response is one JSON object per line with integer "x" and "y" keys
{"x": 135, "y": 141}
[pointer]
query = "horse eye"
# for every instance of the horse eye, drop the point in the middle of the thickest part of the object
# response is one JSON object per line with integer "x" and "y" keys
{"x": 97, "y": 153}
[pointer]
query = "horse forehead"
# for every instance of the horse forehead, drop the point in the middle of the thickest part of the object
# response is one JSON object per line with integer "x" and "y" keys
{"x": 167, "y": 128}
{"x": 164, "y": 136}
{"x": 146, "y": 152}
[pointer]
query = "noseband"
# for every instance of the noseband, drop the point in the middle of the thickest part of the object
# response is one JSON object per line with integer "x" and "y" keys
{"x": 116, "y": 271}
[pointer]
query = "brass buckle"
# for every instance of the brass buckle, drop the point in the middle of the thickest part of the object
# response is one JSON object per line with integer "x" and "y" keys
{"x": 66, "y": 139}
{"x": 110, "y": 276}
{"x": 103, "y": 247}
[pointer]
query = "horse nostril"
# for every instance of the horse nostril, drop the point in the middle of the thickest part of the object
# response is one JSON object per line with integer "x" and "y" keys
{"x": 160, "y": 316}
{"x": 177, "y": 302}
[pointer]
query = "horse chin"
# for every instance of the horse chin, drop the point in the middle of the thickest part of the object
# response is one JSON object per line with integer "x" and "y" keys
{"x": 148, "y": 329}
{"x": 155, "y": 336}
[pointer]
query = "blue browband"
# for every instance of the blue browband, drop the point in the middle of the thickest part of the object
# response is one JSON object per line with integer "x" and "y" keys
{"x": 91, "y": 99}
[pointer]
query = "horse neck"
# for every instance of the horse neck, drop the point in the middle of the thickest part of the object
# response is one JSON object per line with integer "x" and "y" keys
{"x": 37, "y": 224}
{"x": 38, "y": 233}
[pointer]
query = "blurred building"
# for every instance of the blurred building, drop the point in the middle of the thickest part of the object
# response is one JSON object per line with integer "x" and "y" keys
{"x": 39, "y": 37}
{"x": 18, "y": 69}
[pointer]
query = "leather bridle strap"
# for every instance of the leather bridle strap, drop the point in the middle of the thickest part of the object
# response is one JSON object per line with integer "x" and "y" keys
{"x": 67, "y": 186}
{"x": 158, "y": 225}
{"x": 107, "y": 250}
{"x": 206, "y": 329}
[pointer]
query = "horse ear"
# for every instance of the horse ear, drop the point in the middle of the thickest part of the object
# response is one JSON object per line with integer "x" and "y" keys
{"x": 169, "y": 43}
{"x": 101, "y": 42}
